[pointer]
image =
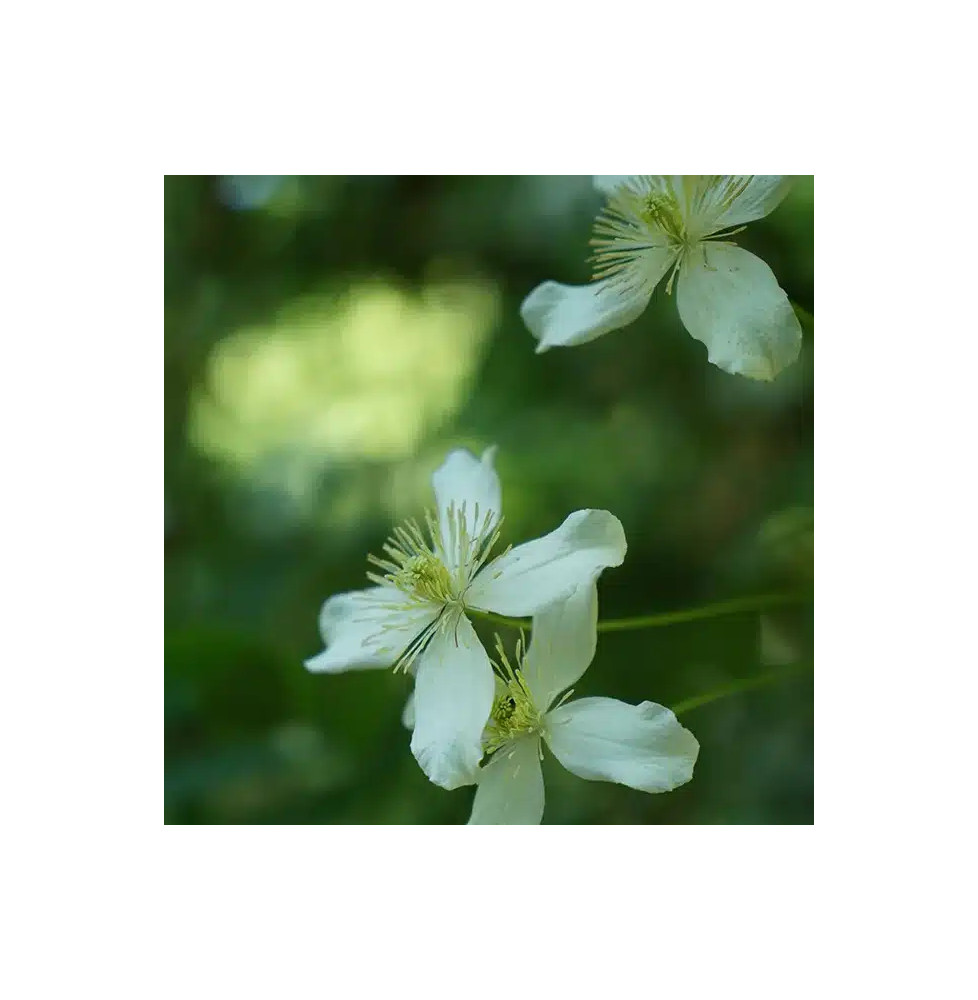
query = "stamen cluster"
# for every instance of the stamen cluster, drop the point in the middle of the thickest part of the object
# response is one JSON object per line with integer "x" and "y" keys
{"x": 514, "y": 712}
{"x": 641, "y": 215}
{"x": 435, "y": 568}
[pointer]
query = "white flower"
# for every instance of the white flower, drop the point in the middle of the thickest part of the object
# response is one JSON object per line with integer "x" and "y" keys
{"x": 602, "y": 739}
{"x": 728, "y": 298}
{"x": 415, "y": 616}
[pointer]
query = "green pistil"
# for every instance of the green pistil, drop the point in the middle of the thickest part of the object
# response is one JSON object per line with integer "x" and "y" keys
{"x": 513, "y": 715}
{"x": 514, "y": 712}
{"x": 426, "y": 577}
{"x": 417, "y": 564}
{"x": 662, "y": 211}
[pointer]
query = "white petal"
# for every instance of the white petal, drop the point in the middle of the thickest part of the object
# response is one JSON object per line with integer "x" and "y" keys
{"x": 533, "y": 576}
{"x": 642, "y": 746}
{"x": 761, "y": 196}
{"x": 464, "y": 479}
{"x": 453, "y": 694}
{"x": 367, "y": 628}
{"x": 731, "y": 301}
{"x": 608, "y": 183}
{"x": 407, "y": 715}
{"x": 711, "y": 202}
{"x": 562, "y": 645}
{"x": 564, "y": 315}
{"x": 511, "y": 786}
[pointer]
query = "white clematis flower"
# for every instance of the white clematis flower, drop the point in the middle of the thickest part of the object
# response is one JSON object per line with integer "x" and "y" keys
{"x": 653, "y": 225}
{"x": 415, "y": 617}
{"x": 602, "y": 739}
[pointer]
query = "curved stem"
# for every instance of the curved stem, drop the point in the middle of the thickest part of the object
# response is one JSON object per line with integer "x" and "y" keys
{"x": 732, "y": 606}
{"x": 729, "y": 607}
{"x": 735, "y": 687}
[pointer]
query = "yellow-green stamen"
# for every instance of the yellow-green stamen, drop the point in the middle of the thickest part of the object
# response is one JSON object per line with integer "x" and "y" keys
{"x": 650, "y": 214}
{"x": 662, "y": 210}
{"x": 429, "y": 569}
{"x": 514, "y": 712}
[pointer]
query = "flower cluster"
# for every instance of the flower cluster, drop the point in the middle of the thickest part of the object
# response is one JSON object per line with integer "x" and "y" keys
{"x": 476, "y": 721}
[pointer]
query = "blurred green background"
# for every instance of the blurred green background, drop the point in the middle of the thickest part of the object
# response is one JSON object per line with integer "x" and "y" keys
{"x": 328, "y": 339}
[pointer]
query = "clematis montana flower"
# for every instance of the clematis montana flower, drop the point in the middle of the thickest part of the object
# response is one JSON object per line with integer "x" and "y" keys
{"x": 415, "y": 617}
{"x": 652, "y": 226}
{"x": 601, "y": 739}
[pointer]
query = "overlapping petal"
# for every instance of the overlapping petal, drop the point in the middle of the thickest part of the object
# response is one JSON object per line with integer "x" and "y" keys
{"x": 563, "y": 315}
{"x": 453, "y": 692}
{"x": 464, "y": 479}
{"x": 761, "y": 196}
{"x": 562, "y": 646}
{"x": 730, "y": 300}
{"x": 533, "y": 576}
{"x": 608, "y": 183}
{"x": 511, "y": 786}
{"x": 365, "y": 629}
{"x": 642, "y": 746}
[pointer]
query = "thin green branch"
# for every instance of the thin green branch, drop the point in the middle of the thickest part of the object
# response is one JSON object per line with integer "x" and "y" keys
{"x": 735, "y": 687}
{"x": 729, "y": 607}
{"x": 756, "y": 603}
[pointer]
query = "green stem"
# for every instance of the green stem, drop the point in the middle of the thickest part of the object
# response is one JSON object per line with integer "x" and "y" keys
{"x": 735, "y": 687}
{"x": 729, "y": 607}
{"x": 732, "y": 606}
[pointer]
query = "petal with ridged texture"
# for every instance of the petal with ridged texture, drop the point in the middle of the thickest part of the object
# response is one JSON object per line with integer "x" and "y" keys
{"x": 464, "y": 479}
{"x": 453, "y": 693}
{"x": 642, "y": 746}
{"x": 746, "y": 197}
{"x": 365, "y": 629}
{"x": 730, "y": 300}
{"x": 566, "y": 315}
{"x": 562, "y": 645}
{"x": 533, "y": 576}
{"x": 511, "y": 786}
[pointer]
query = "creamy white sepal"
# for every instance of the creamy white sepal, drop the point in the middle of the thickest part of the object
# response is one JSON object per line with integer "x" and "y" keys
{"x": 730, "y": 300}
{"x": 464, "y": 479}
{"x": 563, "y": 315}
{"x": 453, "y": 692}
{"x": 367, "y": 628}
{"x": 535, "y": 575}
{"x": 761, "y": 196}
{"x": 642, "y": 746}
{"x": 511, "y": 786}
{"x": 607, "y": 183}
{"x": 562, "y": 645}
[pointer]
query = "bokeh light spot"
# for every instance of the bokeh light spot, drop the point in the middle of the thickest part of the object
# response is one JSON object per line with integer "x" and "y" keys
{"x": 363, "y": 376}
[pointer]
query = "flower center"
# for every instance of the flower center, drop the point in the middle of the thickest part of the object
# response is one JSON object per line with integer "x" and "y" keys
{"x": 513, "y": 715}
{"x": 438, "y": 566}
{"x": 662, "y": 211}
{"x": 416, "y": 564}
{"x": 644, "y": 216}
{"x": 435, "y": 568}
{"x": 641, "y": 216}
{"x": 514, "y": 712}
{"x": 425, "y": 577}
